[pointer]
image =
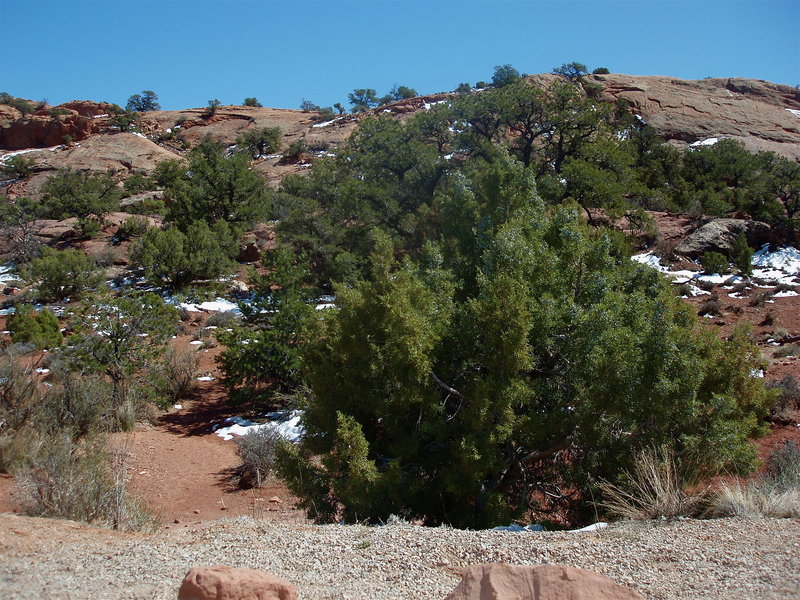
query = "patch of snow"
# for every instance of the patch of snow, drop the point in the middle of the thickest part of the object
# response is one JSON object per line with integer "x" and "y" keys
{"x": 786, "y": 259}
{"x": 8, "y": 155}
{"x": 196, "y": 343}
{"x": 429, "y": 105}
{"x": 42, "y": 371}
{"x": 100, "y": 116}
{"x": 514, "y": 527}
{"x": 326, "y": 123}
{"x": 177, "y": 406}
{"x": 287, "y": 423}
{"x": 205, "y": 378}
{"x": 141, "y": 135}
{"x": 786, "y": 294}
{"x": 706, "y": 142}
{"x": 218, "y": 305}
{"x": 794, "y": 111}
{"x": 592, "y": 527}
{"x": 757, "y": 373}
{"x": 325, "y": 305}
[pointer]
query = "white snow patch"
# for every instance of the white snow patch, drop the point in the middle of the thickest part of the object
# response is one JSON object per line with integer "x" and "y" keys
{"x": 514, "y": 527}
{"x": 706, "y": 142}
{"x": 794, "y": 111}
{"x": 205, "y": 378}
{"x": 42, "y": 371}
{"x": 177, "y": 406}
{"x": 100, "y": 116}
{"x": 286, "y": 422}
{"x": 756, "y": 373}
{"x": 786, "y": 294}
{"x": 196, "y": 343}
{"x": 325, "y": 305}
{"x": 218, "y": 305}
{"x": 592, "y": 527}
{"x": 141, "y": 135}
{"x": 8, "y": 155}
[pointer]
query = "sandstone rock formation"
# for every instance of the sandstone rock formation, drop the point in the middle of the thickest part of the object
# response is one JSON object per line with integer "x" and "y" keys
{"x": 221, "y": 582}
{"x": 74, "y": 121}
{"x": 543, "y": 582}
{"x": 719, "y": 236}
{"x": 757, "y": 113}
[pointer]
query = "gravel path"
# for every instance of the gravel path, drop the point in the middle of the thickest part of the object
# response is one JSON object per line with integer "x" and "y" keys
{"x": 724, "y": 558}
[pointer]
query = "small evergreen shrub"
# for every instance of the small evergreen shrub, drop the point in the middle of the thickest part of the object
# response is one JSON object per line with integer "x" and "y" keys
{"x": 39, "y": 328}
{"x": 714, "y": 262}
{"x": 61, "y": 274}
{"x": 742, "y": 255}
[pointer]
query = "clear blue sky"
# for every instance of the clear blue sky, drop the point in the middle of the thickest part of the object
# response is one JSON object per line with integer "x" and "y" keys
{"x": 190, "y": 51}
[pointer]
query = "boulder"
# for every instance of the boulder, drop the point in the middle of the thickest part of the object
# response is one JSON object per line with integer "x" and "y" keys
{"x": 542, "y": 582}
{"x": 221, "y": 582}
{"x": 719, "y": 236}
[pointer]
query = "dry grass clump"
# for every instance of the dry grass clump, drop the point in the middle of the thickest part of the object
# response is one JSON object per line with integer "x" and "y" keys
{"x": 256, "y": 449}
{"x": 787, "y": 402}
{"x": 655, "y": 488}
{"x": 775, "y": 494}
{"x": 82, "y": 480}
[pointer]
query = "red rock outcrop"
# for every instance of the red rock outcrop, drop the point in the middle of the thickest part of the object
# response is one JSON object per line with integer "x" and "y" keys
{"x": 228, "y": 583}
{"x": 757, "y": 113}
{"x": 543, "y": 582}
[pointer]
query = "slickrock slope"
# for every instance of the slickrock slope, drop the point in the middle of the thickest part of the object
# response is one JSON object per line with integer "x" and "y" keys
{"x": 758, "y": 113}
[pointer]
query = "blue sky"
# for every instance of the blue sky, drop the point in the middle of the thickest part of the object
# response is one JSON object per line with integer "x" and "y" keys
{"x": 283, "y": 51}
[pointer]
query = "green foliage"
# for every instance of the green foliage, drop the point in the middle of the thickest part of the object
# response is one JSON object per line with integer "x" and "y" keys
{"x": 463, "y": 88}
{"x": 137, "y": 182}
{"x": 261, "y": 358}
{"x": 471, "y": 385}
{"x": 17, "y": 167}
{"x": 600, "y": 71}
{"x": 339, "y": 108}
{"x": 173, "y": 258}
{"x": 80, "y": 194}
{"x": 144, "y": 102}
{"x": 133, "y": 227}
{"x": 398, "y": 92}
{"x": 253, "y": 102}
{"x": 362, "y": 99}
{"x": 214, "y": 187}
{"x": 294, "y": 151}
{"x": 572, "y": 71}
{"x": 308, "y": 106}
{"x": 504, "y": 75}
{"x": 211, "y": 110}
{"x": 124, "y": 120}
{"x": 26, "y": 107}
{"x": 714, "y": 262}
{"x": 742, "y": 254}
{"x": 39, "y": 328}
{"x": 120, "y": 338}
{"x": 260, "y": 141}
{"x": 59, "y": 274}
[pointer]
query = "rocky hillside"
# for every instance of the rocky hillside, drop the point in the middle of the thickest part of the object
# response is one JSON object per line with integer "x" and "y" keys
{"x": 78, "y": 134}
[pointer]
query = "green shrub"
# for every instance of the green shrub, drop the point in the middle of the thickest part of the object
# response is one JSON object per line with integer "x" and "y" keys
{"x": 714, "y": 262}
{"x": 17, "y": 167}
{"x": 59, "y": 274}
{"x": 133, "y": 227}
{"x": 39, "y": 328}
{"x": 742, "y": 255}
{"x": 787, "y": 402}
{"x": 26, "y": 107}
{"x": 295, "y": 151}
{"x": 252, "y": 102}
{"x": 257, "y": 142}
{"x": 600, "y": 71}
{"x": 173, "y": 258}
{"x": 79, "y": 194}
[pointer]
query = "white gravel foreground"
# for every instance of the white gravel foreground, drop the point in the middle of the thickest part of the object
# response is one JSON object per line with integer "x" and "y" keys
{"x": 723, "y": 558}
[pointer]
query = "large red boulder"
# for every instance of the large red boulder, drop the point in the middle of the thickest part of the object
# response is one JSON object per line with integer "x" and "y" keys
{"x": 221, "y": 582}
{"x": 542, "y": 582}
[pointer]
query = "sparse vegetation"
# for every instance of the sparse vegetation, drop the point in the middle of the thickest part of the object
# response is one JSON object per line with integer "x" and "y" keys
{"x": 256, "y": 449}
{"x": 259, "y": 142}
{"x": 654, "y": 488}
{"x": 144, "y": 102}
{"x": 252, "y": 102}
{"x": 776, "y": 493}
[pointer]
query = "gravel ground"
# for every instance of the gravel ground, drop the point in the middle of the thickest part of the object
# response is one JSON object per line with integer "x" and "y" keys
{"x": 723, "y": 558}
